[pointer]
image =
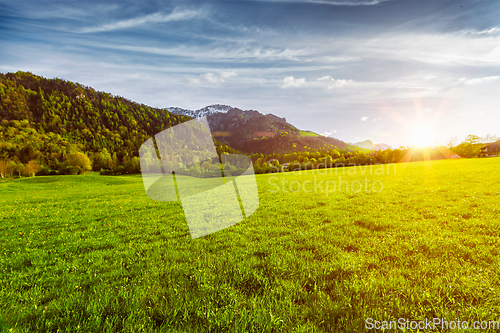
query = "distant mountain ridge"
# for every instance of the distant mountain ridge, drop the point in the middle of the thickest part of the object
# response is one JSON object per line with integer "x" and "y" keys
{"x": 368, "y": 144}
{"x": 253, "y": 132}
{"x": 203, "y": 112}
{"x": 217, "y": 108}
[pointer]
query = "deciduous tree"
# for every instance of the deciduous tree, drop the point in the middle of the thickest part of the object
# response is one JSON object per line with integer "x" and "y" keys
{"x": 31, "y": 168}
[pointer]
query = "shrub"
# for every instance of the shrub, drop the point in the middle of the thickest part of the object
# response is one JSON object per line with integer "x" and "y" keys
{"x": 44, "y": 171}
{"x": 119, "y": 170}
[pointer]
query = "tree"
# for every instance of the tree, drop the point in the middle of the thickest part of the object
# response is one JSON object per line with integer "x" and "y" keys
{"x": 206, "y": 165}
{"x": 20, "y": 169}
{"x": 31, "y": 168}
{"x": 103, "y": 160}
{"x": 489, "y": 138}
{"x": 114, "y": 161}
{"x": 79, "y": 161}
{"x": 451, "y": 142}
{"x": 133, "y": 165}
{"x": 27, "y": 153}
{"x": 466, "y": 149}
{"x": 71, "y": 149}
{"x": 3, "y": 169}
{"x": 472, "y": 139}
{"x": 11, "y": 167}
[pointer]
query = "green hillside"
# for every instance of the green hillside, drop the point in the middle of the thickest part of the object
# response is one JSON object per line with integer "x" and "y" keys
{"x": 47, "y": 119}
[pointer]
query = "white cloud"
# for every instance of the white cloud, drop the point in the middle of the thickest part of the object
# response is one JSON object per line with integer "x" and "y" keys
{"x": 289, "y": 81}
{"x": 176, "y": 15}
{"x": 364, "y": 118}
{"x": 480, "y": 80}
{"x": 328, "y": 133}
{"x": 340, "y": 83}
{"x": 336, "y": 83}
{"x": 211, "y": 78}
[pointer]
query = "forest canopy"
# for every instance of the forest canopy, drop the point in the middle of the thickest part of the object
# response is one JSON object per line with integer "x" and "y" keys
{"x": 48, "y": 120}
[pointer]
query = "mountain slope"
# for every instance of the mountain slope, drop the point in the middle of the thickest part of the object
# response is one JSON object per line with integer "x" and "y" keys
{"x": 368, "y": 144}
{"x": 89, "y": 120}
{"x": 253, "y": 132}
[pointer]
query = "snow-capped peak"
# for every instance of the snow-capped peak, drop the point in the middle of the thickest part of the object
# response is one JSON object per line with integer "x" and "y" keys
{"x": 206, "y": 111}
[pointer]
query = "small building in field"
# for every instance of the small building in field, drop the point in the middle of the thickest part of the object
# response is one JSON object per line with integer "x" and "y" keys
{"x": 491, "y": 149}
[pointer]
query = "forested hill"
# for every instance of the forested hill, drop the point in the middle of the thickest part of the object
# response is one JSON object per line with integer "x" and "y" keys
{"x": 252, "y": 132}
{"x": 45, "y": 119}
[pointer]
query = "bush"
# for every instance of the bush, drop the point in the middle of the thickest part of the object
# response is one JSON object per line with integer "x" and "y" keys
{"x": 44, "y": 171}
{"x": 116, "y": 171}
{"x": 106, "y": 172}
{"x": 68, "y": 170}
{"x": 119, "y": 170}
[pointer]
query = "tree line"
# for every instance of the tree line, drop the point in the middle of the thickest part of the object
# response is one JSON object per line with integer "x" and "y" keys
{"x": 68, "y": 128}
{"x": 307, "y": 160}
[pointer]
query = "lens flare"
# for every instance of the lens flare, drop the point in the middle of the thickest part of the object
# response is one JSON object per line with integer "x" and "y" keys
{"x": 423, "y": 135}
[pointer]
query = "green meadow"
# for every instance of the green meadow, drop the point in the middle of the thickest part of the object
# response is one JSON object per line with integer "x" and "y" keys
{"x": 414, "y": 240}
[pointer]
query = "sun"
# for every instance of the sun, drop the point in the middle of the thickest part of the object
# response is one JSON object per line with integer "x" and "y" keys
{"x": 423, "y": 135}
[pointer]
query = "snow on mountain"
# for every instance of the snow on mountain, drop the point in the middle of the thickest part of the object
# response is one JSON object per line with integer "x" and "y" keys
{"x": 206, "y": 111}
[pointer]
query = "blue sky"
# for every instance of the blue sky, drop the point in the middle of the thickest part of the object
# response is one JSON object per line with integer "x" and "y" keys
{"x": 355, "y": 70}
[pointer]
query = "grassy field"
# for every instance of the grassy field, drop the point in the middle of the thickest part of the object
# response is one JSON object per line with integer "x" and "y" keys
{"x": 94, "y": 254}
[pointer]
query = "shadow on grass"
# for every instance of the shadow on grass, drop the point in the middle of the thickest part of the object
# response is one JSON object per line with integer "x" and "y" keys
{"x": 3, "y": 326}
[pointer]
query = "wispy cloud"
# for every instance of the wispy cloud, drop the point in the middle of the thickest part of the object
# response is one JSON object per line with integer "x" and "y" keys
{"x": 159, "y": 17}
{"x": 491, "y": 31}
{"x": 347, "y": 2}
{"x": 334, "y": 2}
{"x": 480, "y": 80}
{"x": 67, "y": 11}
{"x": 228, "y": 52}
{"x": 211, "y": 78}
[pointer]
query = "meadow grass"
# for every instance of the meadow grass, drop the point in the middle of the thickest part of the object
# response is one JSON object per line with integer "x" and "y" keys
{"x": 94, "y": 254}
